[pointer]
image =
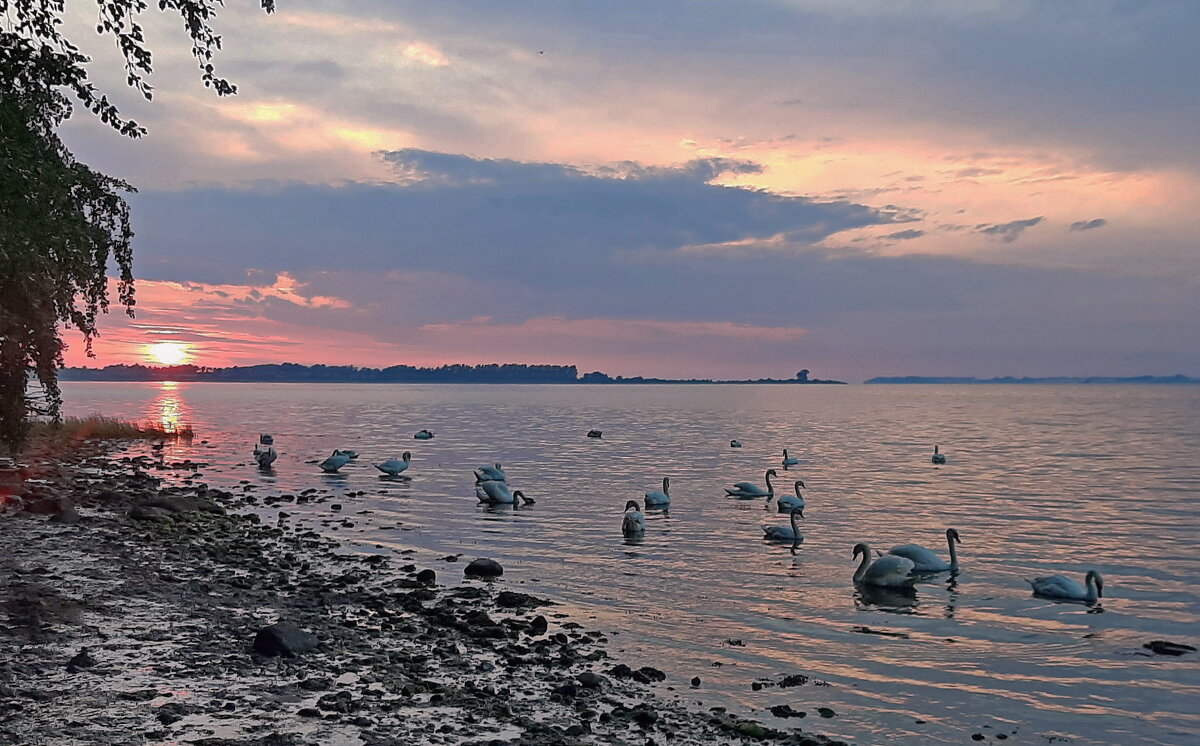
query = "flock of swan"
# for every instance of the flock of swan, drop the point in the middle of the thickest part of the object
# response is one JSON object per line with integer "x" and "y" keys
{"x": 901, "y": 567}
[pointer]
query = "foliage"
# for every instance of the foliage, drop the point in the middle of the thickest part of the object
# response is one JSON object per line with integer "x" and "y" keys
{"x": 99, "y": 427}
{"x": 61, "y": 223}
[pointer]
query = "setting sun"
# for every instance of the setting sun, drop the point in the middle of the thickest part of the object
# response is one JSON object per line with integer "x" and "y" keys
{"x": 168, "y": 353}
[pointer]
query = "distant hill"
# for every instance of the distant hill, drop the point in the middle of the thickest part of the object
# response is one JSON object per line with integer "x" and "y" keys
{"x": 1056, "y": 379}
{"x": 295, "y": 373}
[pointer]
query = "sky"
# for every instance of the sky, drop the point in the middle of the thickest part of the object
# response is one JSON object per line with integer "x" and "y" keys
{"x": 685, "y": 188}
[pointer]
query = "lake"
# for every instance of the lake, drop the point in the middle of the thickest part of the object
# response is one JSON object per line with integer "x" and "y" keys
{"x": 1038, "y": 480}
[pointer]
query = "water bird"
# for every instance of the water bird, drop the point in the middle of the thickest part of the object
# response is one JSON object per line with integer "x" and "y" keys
{"x": 789, "y": 460}
{"x": 1060, "y": 586}
{"x": 657, "y": 498}
{"x": 490, "y": 473}
{"x": 336, "y": 461}
{"x": 495, "y": 492}
{"x": 938, "y": 456}
{"x": 925, "y": 560}
{"x": 786, "y": 533}
{"x": 265, "y": 456}
{"x": 394, "y": 466}
{"x": 595, "y": 434}
{"x": 633, "y": 523}
{"x": 749, "y": 491}
{"x": 424, "y": 435}
{"x": 789, "y": 502}
{"x": 888, "y": 571}
{"x": 735, "y": 444}
{"x": 266, "y": 439}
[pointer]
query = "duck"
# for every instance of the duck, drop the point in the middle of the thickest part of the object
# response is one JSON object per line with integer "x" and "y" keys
{"x": 888, "y": 571}
{"x": 938, "y": 456}
{"x": 1062, "y": 587}
{"x": 786, "y": 533}
{"x": 749, "y": 491}
{"x": 789, "y": 460}
{"x": 490, "y": 473}
{"x": 788, "y": 502}
{"x": 595, "y": 434}
{"x": 925, "y": 560}
{"x": 336, "y": 461}
{"x": 735, "y": 444}
{"x": 265, "y": 456}
{"x": 394, "y": 466}
{"x": 656, "y": 498}
{"x": 633, "y": 523}
{"x": 424, "y": 435}
{"x": 495, "y": 492}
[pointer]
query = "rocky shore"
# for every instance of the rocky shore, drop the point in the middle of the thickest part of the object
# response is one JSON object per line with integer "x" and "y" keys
{"x": 132, "y": 613}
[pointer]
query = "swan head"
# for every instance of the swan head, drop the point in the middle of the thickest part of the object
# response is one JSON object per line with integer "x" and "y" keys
{"x": 519, "y": 495}
{"x": 862, "y": 548}
{"x": 631, "y": 505}
{"x": 952, "y": 535}
{"x": 799, "y": 484}
{"x": 772, "y": 472}
{"x": 406, "y": 456}
{"x": 666, "y": 483}
{"x": 798, "y": 511}
{"x": 935, "y": 450}
{"x": 1096, "y": 576}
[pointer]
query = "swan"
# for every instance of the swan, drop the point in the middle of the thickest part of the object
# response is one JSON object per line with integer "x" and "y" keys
{"x": 748, "y": 491}
{"x": 266, "y": 439}
{"x": 655, "y": 498}
{"x": 595, "y": 434}
{"x": 265, "y": 456}
{"x": 634, "y": 522}
{"x": 789, "y": 460}
{"x": 786, "y": 533}
{"x": 938, "y": 456}
{"x": 735, "y": 444}
{"x": 394, "y": 466}
{"x": 347, "y": 452}
{"x": 889, "y": 570}
{"x": 788, "y": 502}
{"x": 495, "y": 492}
{"x": 925, "y": 560}
{"x": 424, "y": 435}
{"x": 336, "y": 461}
{"x": 490, "y": 473}
{"x": 1060, "y": 586}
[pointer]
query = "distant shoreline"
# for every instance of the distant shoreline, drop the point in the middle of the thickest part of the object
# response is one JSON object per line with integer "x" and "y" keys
{"x": 1010, "y": 380}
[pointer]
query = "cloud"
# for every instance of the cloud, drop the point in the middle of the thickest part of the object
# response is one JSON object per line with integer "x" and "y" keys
{"x": 1087, "y": 225}
{"x": 905, "y": 235}
{"x": 1010, "y": 231}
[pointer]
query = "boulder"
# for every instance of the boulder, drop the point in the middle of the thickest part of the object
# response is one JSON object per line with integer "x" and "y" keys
{"x": 484, "y": 568}
{"x": 284, "y": 639}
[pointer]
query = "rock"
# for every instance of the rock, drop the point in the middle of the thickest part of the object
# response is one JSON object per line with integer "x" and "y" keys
{"x": 144, "y": 513}
{"x": 81, "y": 661}
{"x": 825, "y": 712}
{"x": 538, "y": 625}
{"x": 181, "y": 504}
{"x": 484, "y": 568}
{"x": 427, "y": 577}
{"x": 566, "y": 691}
{"x": 315, "y": 685}
{"x": 590, "y": 680}
{"x": 283, "y": 639}
{"x": 977, "y": 736}
{"x": 46, "y": 505}
{"x": 514, "y": 600}
{"x": 66, "y": 514}
{"x": 786, "y": 711}
{"x": 1165, "y": 647}
{"x": 645, "y": 717}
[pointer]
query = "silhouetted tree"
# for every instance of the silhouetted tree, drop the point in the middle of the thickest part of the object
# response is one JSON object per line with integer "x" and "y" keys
{"x": 803, "y": 375}
{"x": 61, "y": 223}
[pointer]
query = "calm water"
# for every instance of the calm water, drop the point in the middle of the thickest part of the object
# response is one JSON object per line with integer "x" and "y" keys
{"x": 1040, "y": 480}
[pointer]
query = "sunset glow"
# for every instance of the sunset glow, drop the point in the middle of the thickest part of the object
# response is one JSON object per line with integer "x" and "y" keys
{"x": 168, "y": 353}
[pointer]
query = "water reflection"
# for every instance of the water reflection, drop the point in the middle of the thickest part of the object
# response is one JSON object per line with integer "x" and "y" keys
{"x": 892, "y": 599}
{"x": 168, "y": 409}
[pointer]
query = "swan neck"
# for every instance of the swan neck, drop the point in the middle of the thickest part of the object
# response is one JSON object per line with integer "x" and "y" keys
{"x": 770, "y": 487}
{"x": 953, "y": 554}
{"x": 863, "y": 564}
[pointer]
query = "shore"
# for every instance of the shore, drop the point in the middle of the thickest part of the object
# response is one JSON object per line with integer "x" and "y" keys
{"x": 131, "y": 613}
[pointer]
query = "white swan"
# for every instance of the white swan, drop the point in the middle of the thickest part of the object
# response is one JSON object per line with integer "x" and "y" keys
{"x": 495, "y": 492}
{"x": 790, "y": 502}
{"x": 266, "y": 439}
{"x": 887, "y": 571}
{"x": 336, "y": 461}
{"x": 938, "y": 456}
{"x": 424, "y": 435}
{"x": 633, "y": 523}
{"x": 735, "y": 444}
{"x": 655, "y": 498}
{"x": 490, "y": 473}
{"x": 352, "y": 454}
{"x": 265, "y": 456}
{"x": 786, "y": 533}
{"x": 925, "y": 560}
{"x": 749, "y": 491}
{"x": 1060, "y": 586}
{"x": 789, "y": 460}
{"x": 394, "y": 466}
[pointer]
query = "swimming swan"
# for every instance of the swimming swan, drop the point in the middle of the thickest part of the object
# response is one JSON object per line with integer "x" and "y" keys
{"x": 888, "y": 571}
{"x": 655, "y": 498}
{"x": 1060, "y": 586}
{"x": 735, "y": 444}
{"x": 748, "y": 491}
{"x": 938, "y": 456}
{"x": 336, "y": 461}
{"x": 494, "y": 492}
{"x": 265, "y": 456}
{"x": 786, "y": 533}
{"x": 789, "y": 460}
{"x": 633, "y": 523}
{"x": 490, "y": 473}
{"x": 394, "y": 466}
{"x": 424, "y": 435}
{"x": 925, "y": 560}
{"x": 788, "y": 502}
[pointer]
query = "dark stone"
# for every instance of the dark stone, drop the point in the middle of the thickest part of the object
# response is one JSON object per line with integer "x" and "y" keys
{"x": 144, "y": 513}
{"x": 825, "y": 712}
{"x": 81, "y": 661}
{"x": 427, "y": 577}
{"x": 484, "y": 568}
{"x": 66, "y": 514}
{"x": 786, "y": 711}
{"x": 538, "y": 625}
{"x": 566, "y": 691}
{"x": 46, "y": 505}
{"x": 314, "y": 685}
{"x": 977, "y": 736}
{"x": 590, "y": 680}
{"x": 1165, "y": 647}
{"x": 695, "y": 681}
{"x": 514, "y": 600}
{"x": 645, "y": 718}
{"x": 283, "y": 639}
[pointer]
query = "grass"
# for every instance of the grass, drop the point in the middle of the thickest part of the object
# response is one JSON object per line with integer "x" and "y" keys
{"x": 99, "y": 427}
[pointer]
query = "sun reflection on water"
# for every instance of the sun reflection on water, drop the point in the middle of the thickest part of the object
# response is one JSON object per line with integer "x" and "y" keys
{"x": 169, "y": 410}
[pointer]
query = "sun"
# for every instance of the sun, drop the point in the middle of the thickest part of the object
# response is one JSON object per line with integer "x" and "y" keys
{"x": 168, "y": 353}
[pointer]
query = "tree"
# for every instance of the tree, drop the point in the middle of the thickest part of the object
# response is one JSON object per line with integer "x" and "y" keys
{"x": 61, "y": 223}
{"x": 802, "y": 376}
